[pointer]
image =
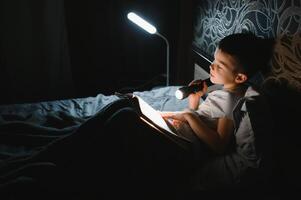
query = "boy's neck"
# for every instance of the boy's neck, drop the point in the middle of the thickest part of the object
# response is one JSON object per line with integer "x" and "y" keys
{"x": 231, "y": 87}
{"x": 234, "y": 87}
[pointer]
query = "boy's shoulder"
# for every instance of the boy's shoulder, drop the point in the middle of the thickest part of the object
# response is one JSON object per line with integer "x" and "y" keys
{"x": 221, "y": 94}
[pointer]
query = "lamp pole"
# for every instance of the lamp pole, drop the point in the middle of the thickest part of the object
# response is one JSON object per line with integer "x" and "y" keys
{"x": 167, "y": 57}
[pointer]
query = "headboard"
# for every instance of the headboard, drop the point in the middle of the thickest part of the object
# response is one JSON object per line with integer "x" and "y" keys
{"x": 201, "y": 65}
{"x": 266, "y": 18}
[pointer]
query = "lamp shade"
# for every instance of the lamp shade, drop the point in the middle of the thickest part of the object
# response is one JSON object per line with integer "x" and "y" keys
{"x": 142, "y": 23}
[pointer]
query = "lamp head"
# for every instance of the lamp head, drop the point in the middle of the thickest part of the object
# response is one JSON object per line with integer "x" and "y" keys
{"x": 141, "y": 22}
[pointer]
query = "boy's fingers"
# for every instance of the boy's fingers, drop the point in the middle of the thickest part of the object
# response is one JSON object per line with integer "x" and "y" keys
{"x": 166, "y": 114}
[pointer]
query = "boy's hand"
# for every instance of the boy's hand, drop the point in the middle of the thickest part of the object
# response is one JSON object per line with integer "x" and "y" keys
{"x": 202, "y": 84}
{"x": 172, "y": 115}
{"x": 194, "y": 98}
{"x": 179, "y": 116}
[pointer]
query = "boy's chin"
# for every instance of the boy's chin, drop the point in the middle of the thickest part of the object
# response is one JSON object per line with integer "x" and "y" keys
{"x": 213, "y": 80}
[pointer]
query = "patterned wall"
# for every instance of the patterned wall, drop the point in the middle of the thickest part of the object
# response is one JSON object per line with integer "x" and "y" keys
{"x": 280, "y": 19}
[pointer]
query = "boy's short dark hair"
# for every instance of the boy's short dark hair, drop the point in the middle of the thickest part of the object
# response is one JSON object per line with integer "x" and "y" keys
{"x": 252, "y": 53}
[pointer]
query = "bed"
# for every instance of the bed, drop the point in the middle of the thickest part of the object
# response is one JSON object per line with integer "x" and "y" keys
{"x": 26, "y": 128}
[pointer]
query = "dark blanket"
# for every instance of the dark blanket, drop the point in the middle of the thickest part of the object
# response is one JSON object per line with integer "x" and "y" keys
{"x": 26, "y": 129}
{"x": 42, "y": 154}
{"x": 69, "y": 157}
{"x": 21, "y": 137}
{"x": 38, "y": 159}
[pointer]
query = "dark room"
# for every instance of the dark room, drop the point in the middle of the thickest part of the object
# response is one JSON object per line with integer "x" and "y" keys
{"x": 146, "y": 99}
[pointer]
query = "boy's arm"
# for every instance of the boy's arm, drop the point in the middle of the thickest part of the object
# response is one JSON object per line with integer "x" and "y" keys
{"x": 218, "y": 139}
{"x": 194, "y": 101}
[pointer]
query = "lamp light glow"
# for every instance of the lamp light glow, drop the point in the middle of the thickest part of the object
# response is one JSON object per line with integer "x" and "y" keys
{"x": 142, "y": 23}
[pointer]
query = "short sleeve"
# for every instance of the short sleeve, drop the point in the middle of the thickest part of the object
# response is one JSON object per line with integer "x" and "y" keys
{"x": 218, "y": 104}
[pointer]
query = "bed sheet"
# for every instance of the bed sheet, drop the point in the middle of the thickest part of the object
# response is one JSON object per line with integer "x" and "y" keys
{"x": 25, "y": 128}
{"x": 160, "y": 98}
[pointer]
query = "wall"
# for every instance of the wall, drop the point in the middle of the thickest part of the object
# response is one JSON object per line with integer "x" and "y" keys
{"x": 34, "y": 53}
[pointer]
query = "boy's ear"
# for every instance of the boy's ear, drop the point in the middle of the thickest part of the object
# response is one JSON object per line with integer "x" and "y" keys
{"x": 241, "y": 78}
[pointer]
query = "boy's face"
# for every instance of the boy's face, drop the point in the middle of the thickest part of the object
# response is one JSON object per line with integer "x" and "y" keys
{"x": 223, "y": 70}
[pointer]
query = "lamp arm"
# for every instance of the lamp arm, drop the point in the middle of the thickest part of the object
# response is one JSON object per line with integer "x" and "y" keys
{"x": 167, "y": 57}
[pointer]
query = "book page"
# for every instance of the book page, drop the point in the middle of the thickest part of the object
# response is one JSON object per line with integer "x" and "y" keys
{"x": 153, "y": 115}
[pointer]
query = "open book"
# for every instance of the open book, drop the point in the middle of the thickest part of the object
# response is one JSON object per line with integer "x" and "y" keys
{"x": 153, "y": 118}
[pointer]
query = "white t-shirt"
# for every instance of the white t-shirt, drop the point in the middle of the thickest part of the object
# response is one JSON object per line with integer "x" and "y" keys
{"x": 218, "y": 104}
